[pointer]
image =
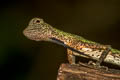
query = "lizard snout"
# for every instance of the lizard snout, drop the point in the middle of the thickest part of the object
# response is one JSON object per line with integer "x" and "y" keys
{"x": 29, "y": 34}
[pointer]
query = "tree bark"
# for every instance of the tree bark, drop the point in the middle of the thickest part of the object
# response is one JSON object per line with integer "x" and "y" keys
{"x": 86, "y": 72}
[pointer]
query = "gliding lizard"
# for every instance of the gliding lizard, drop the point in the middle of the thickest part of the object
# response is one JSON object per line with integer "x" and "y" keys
{"x": 39, "y": 30}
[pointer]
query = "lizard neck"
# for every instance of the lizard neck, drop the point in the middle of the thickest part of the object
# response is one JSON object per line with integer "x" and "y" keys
{"x": 74, "y": 40}
{"x": 62, "y": 36}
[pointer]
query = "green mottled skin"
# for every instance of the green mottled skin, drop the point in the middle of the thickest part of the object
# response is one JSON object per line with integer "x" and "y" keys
{"x": 77, "y": 37}
{"x": 115, "y": 50}
{"x": 39, "y": 30}
{"x": 83, "y": 39}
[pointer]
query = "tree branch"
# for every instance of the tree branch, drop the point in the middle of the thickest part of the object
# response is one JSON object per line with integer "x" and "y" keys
{"x": 86, "y": 72}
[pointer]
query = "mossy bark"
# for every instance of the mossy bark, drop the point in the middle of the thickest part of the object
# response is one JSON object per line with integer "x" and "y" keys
{"x": 86, "y": 72}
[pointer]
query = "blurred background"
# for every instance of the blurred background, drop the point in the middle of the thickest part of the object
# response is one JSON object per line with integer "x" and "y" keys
{"x": 24, "y": 59}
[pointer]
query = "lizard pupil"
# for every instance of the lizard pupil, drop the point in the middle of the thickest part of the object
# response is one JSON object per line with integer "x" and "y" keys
{"x": 38, "y": 21}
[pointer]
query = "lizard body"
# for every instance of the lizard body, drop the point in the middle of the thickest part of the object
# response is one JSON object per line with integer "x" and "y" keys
{"x": 39, "y": 30}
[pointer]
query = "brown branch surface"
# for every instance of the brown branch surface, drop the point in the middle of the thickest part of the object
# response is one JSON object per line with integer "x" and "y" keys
{"x": 86, "y": 72}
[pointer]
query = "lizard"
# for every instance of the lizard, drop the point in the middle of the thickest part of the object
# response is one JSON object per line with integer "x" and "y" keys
{"x": 39, "y": 30}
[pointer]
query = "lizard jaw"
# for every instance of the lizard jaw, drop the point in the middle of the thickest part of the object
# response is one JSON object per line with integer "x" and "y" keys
{"x": 30, "y": 35}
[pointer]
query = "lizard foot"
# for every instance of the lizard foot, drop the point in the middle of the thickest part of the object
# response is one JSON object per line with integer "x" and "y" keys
{"x": 91, "y": 63}
{"x": 98, "y": 66}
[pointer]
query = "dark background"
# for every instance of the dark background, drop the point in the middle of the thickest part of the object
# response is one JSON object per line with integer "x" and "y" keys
{"x": 24, "y": 59}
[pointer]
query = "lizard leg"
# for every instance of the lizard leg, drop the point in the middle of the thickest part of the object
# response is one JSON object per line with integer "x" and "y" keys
{"x": 71, "y": 57}
{"x": 103, "y": 56}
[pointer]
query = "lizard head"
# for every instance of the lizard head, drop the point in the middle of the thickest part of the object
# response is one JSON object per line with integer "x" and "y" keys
{"x": 38, "y": 30}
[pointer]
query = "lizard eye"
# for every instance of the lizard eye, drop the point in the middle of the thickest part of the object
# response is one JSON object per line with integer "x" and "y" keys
{"x": 37, "y": 21}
